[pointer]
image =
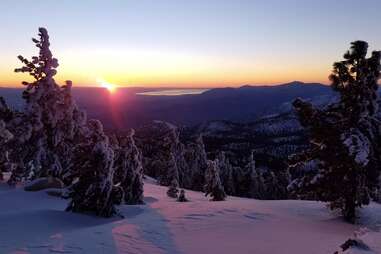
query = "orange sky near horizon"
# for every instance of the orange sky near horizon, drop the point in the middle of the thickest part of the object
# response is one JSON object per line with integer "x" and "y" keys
{"x": 166, "y": 69}
{"x": 195, "y": 44}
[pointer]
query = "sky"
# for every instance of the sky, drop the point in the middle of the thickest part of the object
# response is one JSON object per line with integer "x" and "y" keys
{"x": 183, "y": 43}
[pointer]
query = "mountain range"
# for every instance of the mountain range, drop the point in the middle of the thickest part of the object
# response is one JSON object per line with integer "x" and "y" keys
{"x": 126, "y": 108}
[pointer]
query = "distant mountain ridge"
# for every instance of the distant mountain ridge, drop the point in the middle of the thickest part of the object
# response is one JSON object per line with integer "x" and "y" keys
{"x": 127, "y": 109}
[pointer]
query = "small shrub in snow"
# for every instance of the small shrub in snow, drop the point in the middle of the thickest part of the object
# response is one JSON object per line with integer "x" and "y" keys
{"x": 173, "y": 189}
{"x": 181, "y": 197}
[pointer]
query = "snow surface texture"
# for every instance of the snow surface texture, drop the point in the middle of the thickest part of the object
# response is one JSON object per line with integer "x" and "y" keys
{"x": 34, "y": 222}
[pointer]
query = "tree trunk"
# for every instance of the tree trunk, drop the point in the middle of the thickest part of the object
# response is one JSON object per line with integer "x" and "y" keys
{"x": 349, "y": 211}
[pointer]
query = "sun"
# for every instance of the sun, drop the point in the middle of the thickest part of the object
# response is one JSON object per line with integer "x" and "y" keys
{"x": 109, "y": 86}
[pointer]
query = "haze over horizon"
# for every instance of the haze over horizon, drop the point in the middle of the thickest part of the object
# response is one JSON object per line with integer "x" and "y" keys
{"x": 187, "y": 43}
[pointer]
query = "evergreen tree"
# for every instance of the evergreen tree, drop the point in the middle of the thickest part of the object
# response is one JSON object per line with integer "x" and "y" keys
{"x": 51, "y": 118}
{"x": 6, "y": 114}
{"x": 173, "y": 159}
{"x": 256, "y": 186}
{"x": 226, "y": 173}
{"x": 163, "y": 152}
{"x": 196, "y": 159}
{"x": 344, "y": 136}
{"x": 93, "y": 190}
{"x": 52, "y": 137}
{"x": 5, "y": 136}
{"x": 19, "y": 150}
{"x": 129, "y": 169}
{"x": 213, "y": 186}
{"x": 178, "y": 165}
{"x": 173, "y": 174}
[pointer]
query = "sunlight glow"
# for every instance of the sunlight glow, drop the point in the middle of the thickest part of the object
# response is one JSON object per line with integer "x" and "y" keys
{"x": 109, "y": 86}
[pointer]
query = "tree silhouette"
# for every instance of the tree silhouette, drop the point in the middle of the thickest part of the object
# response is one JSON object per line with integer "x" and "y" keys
{"x": 344, "y": 136}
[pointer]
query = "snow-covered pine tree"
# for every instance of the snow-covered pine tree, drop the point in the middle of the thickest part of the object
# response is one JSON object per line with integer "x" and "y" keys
{"x": 275, "y": 185}
{"x": 226, "y": 173}
{"x": 195, "y": 156}
{"x": 344, "y": 136}
{"x": 129, "y": 169}
{"x": 6, "y": 114}
{"x": 256, "y": 186}
{"x": 50, "y": 116}
{"x": 93, "y": 190}
{"x": 18, "y": 148}
{"x": 213, "y": 186}
{"x": 163, "y": 152}
{"x": 178, "y": 166}
{"x": 173, "y": 174}
{"x": 170, "y": 158}
{"x": 5, "y": 136}
{"x": 70, "y": 127}
{"x": 14, "y": 150}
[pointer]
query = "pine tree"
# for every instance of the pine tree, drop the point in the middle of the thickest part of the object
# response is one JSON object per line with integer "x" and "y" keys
{"x": 179, "y": 167}
{"x": 173, "y": 159}
{"x": 6, "y": 115}
{"x": 163, "y": 152}
{"x": 196, "y": 159}
{"x": 256, "y": 186}
{"x": 51, "y": 118}
{"x": 226, "y": 173}
{"x": 213, "y": 186}
{"x": 173, "y": 174}
{"x": 5, "y": 136}
{"x": 52, "y": 137}
{"x": 129, "y": 169}
{"x": 18, "y": 148}
{"x": 93, "y": 190}
{"x": 344, "y": 136}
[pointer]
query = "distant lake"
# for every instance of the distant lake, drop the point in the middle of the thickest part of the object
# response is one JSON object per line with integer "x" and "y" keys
{"x": 174, "y": 92}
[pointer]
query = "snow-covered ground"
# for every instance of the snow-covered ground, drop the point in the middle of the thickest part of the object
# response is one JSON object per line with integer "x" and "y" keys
{"x": 34, "y": 222}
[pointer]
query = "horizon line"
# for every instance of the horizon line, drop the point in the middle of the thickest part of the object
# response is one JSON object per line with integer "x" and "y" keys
{"x": 181, "y": 86}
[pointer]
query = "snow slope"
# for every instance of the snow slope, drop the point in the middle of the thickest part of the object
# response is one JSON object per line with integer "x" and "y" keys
{"x": 33, "y": 222}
